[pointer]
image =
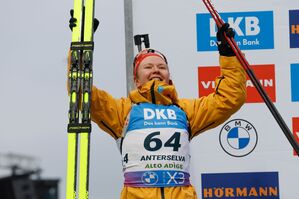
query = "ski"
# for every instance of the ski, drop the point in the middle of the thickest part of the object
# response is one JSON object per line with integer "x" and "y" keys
{"x": 80, "y": 86}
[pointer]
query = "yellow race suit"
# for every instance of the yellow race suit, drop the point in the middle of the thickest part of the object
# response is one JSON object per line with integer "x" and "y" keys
{"x": 203, "y": 113}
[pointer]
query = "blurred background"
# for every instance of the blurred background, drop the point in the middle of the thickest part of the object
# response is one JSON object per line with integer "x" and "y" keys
{"x": 35, "y": 39}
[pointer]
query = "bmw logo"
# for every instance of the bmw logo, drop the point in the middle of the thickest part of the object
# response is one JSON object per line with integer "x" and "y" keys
{"x": 238, "y": 138}
{"x": 150, "y": 178}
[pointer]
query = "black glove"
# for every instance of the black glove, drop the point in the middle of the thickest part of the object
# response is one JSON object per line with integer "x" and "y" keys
{"x": 72, "y": 22}
{"x": 223, "y": 46}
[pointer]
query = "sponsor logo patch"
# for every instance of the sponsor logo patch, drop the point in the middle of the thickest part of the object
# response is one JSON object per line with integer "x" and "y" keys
{"x": 264, "y": 73}
{"x": 254, "y": 30}
{"x": 238, "y": 138}
{"x": 262, "y": 185}
{"x": 294, "y": 82}
{"x": 294, "y": 28}
{"x": 296, "y": 130}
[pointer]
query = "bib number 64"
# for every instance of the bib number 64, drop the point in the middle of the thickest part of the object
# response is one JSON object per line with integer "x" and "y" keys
{"x": 153, "y": 143}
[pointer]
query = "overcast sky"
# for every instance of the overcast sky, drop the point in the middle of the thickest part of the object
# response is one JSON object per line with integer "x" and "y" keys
{"x": 34, "y": 42}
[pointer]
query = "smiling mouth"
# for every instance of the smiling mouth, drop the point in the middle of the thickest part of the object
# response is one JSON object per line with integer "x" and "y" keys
{"x": 157, "y": 78}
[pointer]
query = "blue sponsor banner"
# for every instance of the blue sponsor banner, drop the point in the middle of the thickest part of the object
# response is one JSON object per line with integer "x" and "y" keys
{"x": 254, "y": 30}
{"x": 294, "y": 28}
{"x": 294, "y": 82}
{"x": 262, "y": 185}
{"x": 147, "y": 115}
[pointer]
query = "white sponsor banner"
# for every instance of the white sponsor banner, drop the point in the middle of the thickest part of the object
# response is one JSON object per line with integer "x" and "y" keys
{"x": 176, "y": 28}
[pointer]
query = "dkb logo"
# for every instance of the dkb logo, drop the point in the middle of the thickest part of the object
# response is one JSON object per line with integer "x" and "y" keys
{"x": 254, "y": 30}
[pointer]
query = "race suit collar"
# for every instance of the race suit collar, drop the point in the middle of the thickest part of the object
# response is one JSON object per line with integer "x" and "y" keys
{"x": 156, "y": 92}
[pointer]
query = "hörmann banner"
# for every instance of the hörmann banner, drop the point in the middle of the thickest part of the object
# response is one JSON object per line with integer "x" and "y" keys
{"x": 294, "y": 28}
{"x": 262, "y": 185}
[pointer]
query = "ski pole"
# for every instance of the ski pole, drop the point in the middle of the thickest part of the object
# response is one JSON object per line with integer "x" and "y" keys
{"x": 256, "y": 83}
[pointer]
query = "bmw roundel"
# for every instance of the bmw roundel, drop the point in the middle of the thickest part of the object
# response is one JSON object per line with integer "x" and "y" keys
{"x": 150, "y": 178}
{"x": 238, "y": 138}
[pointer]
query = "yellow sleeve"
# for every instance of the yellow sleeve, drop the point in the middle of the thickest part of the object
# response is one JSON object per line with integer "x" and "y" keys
{"x": 229, "y": 95}
{"x": 109, "y": 113}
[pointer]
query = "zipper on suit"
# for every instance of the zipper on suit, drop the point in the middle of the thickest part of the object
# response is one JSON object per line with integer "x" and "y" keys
{"x": 153, "y": 93}
{"x": 162, "y": 193}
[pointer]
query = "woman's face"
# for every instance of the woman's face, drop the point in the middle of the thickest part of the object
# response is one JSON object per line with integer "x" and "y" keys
{"x": 152, "y": 67}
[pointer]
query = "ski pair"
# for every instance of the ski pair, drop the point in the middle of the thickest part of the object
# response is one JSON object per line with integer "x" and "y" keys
{"x": 219, "y": 22}
{"x": 80, "y": 86}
